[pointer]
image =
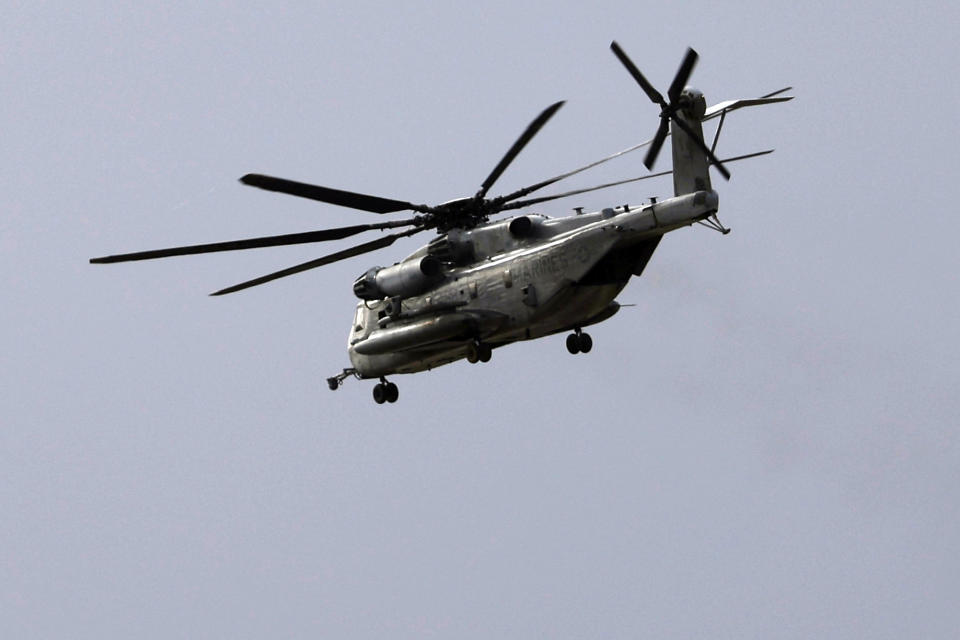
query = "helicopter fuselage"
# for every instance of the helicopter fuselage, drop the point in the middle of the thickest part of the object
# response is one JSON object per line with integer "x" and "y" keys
{"x": 525, "y": 278}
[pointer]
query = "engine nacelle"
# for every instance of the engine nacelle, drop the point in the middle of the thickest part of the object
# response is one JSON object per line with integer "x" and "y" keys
{"x": 453, "y": 247}
{"x": 403, "y": 280}
{"x": 521, "y": 227}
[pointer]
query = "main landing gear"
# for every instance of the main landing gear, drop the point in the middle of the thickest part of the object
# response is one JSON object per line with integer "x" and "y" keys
{"x": 579, "y": 342}
{"x": 385, "y": 392}
{"x": 479, "y": 352}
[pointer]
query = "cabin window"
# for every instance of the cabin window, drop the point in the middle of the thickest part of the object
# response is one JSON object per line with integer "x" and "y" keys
{"x": 507, "y": 278}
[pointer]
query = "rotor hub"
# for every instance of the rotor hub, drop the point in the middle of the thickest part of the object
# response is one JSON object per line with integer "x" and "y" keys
{"x": 462, "y": 213}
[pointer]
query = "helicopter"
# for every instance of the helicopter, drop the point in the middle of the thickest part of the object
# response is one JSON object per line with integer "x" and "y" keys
{"x": 482, "y": 284}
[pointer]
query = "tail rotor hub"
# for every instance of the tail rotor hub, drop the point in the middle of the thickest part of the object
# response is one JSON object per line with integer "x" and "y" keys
{"x": 692, "y": 103}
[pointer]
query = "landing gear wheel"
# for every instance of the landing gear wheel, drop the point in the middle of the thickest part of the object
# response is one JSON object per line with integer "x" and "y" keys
{"x": 385, "y": 392}
{"x": 473, "y": 354}
{"x": 392, "y": 393}
{"x": 585, "y": 342}
{"x": 484, "y": 352}
{"x": 573, "y": 343}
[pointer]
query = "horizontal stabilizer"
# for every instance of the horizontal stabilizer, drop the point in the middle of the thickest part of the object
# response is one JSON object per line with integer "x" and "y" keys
{"x": 733, "y": 105}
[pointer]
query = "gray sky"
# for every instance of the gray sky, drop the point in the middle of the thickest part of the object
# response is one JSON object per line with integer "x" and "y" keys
{"x": 765, "y": 446}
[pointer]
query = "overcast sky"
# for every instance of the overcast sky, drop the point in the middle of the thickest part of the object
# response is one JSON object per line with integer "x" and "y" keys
{"x": 765, "y": 446}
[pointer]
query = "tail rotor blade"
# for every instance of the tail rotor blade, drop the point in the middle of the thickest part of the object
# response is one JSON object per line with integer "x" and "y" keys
{"x": 652, "y": 93}
{"x": 669, "y": 110}
{"x": 657, "y": 143}
{"x": 683, "y": 74}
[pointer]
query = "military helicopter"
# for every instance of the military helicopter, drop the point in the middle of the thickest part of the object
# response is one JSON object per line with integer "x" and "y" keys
{"x": 481, "y": 284}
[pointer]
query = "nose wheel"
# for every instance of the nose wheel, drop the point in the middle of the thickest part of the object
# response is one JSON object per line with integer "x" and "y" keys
{"x": 579, "y": 342}
{"x": 385, "y": 392}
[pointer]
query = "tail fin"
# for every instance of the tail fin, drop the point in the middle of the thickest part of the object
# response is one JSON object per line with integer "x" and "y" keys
{"x": 690, "y": 163}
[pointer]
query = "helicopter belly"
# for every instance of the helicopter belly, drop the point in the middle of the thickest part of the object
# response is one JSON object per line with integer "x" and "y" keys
{"x": 428, "y": 345}
{"x": 420, "y": 344}
{"x": 576, "y": 306}
{"x": 421, "y": 333}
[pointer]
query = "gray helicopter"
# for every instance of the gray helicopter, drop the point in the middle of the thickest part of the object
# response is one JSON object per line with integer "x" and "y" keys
{"x": 482, "y": 284}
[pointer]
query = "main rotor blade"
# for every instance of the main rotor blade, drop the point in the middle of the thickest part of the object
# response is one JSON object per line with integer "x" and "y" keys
{"x": 518, "y": 146}
{"x": 532, "y": 201}
{"x": 319, "y": 262}
{"x": 536, "y": 187}
{"x": 350, "y": 199}
{"x": 683, "y": 74}
{"x": 526, "y": 203}
{"x": 632, "y": 68}
{"x": 747, "y": 156}
{"x": 662, "y": 131}
{"x": 776, "y": 93}
{"x": 703, "y": 147}
{"x": 254, "y": 243}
